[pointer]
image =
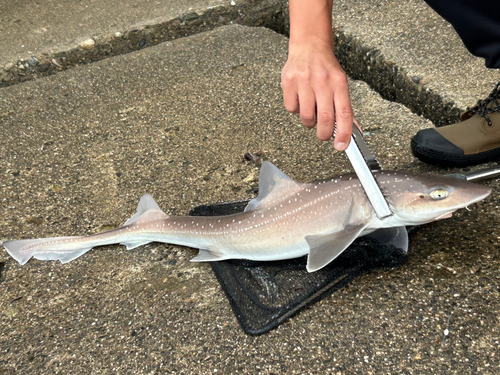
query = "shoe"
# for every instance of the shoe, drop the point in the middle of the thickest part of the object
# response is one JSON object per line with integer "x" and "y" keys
{"x": 474, "y": 140}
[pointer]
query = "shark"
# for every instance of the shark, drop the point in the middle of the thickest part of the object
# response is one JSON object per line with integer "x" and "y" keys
{"x": 287, "y": 219}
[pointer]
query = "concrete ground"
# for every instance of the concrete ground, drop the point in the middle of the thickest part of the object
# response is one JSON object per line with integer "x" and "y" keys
{"x": 409, "y": 54}
{"x": 80, "y": 147}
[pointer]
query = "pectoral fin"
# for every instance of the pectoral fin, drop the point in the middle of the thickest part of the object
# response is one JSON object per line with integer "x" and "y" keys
{"x": 323, "y": 248}
{"x": 396, "y": 236}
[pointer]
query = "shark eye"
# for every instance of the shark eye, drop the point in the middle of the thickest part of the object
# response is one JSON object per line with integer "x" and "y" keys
{"x": 438, "y": 194}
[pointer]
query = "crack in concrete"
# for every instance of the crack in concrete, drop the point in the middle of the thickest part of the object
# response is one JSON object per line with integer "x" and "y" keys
{"x": 263, "y": 14}
{"x": 360, "y": 61}
{"x": 2, "y": 269}
{"x": 365, "y": 63}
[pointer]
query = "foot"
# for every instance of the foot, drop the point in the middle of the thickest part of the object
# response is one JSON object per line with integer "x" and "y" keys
{"x": 474, "y": 140}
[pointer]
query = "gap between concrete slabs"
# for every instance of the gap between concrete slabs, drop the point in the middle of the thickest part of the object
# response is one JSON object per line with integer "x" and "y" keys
{"x": 409, "y": 54}
{"x": 85, "y": 47}
{"x": 386, "y": 45}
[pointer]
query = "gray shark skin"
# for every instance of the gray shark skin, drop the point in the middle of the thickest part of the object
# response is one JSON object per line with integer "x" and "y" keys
{"x": 287, "y": 219}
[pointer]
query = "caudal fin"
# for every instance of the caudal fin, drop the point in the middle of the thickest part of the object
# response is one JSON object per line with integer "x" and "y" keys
{"x": 23, "y": 250}
{"x": 65, "y": 249}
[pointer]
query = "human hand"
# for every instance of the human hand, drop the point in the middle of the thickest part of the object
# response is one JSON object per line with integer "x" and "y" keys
{"x": 315, "y": 85}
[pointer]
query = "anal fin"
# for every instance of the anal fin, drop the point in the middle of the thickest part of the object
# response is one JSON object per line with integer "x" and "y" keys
{"x": 207, "y": 256}
{"x": 133, "y": 244}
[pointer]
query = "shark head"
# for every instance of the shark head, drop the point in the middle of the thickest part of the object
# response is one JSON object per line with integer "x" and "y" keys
{"x": 418, "y": 199}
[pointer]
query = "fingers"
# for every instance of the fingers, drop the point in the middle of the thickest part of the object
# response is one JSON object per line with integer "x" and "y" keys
{"x": 315, "y": 85}
{"x": 326, "y": 107}
{"x": 343, "y": 115}
{"x": 307, "y": 105}
{"x": 325, "y": 116}
{"x": 290, "y": 98}
{"x": 299, "y": 99}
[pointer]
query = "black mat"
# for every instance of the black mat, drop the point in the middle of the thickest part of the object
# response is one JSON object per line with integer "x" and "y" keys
{"x": 265, "y": 294}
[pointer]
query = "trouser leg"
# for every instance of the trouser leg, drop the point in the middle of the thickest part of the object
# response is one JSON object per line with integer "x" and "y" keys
{"x": 477, "y": 22}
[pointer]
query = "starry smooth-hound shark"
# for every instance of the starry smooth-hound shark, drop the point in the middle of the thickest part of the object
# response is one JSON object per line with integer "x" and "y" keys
{"x": 287, "y": 219}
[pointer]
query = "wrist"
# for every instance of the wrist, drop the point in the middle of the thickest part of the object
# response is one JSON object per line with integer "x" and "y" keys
{"x": 311, "y": 23}
{"x": 315, "y": 42}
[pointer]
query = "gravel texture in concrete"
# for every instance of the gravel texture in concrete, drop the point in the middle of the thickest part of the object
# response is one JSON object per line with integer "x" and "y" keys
{"x": 409, "y": 54}
{"x": 403, "y": 49}
{"x": 79, "y": 148}
{"x": 40, "y": 39}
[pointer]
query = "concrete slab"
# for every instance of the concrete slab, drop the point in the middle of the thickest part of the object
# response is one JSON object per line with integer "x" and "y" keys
{"x": 401, "y": 48}
{"x": 409, "y": 54}
{"x": 42, "y": 38}
{"x": 80, "y": 148}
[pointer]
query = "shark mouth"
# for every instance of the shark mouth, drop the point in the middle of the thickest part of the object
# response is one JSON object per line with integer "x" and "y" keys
{"x": 445, "y": 216}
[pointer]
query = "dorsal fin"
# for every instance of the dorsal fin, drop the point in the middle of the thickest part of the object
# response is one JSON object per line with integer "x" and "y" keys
{"x": 147, "y": 210}
{"x": 272, "y": 182}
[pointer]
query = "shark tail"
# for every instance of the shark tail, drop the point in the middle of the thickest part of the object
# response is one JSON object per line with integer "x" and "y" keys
{"x": 23, "y": 250}
{"x": 66, "y": 249}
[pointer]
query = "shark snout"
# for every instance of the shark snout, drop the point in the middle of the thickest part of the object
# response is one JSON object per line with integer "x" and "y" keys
{"x": 463, "y": 197}
{"x": 475, "y": 193}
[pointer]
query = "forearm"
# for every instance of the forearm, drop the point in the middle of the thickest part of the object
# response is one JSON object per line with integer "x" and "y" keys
{"x": 311, "y": 22}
